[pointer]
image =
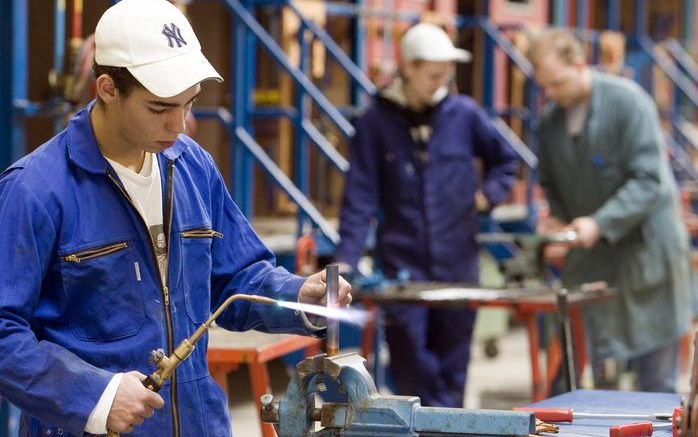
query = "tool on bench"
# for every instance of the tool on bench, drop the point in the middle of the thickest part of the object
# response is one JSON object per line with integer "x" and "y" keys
{"x": 522, "y": 255}
{"x": 641, "y": 429}
{"x": 568, "y": 415}
{"x": 638, "y": 429}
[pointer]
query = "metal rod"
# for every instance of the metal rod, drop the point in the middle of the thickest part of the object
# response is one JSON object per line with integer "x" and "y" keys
{"x": 332, "y": 279}
{"x": 655, "y": 416}
{"x": 566, "y": 338}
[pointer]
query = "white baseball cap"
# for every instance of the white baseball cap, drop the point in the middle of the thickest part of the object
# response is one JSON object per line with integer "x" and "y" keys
{"x": 428, "y": 42}
{"x": 155, "y": 42}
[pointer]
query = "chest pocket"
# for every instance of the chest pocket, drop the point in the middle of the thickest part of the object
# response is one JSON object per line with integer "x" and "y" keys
{"x": 196, "y": 256}
{"x": 104, "y": 299}
{"x": 453, "y": 150}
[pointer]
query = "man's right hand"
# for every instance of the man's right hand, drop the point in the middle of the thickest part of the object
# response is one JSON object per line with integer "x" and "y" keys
{"x": 133, "y": 403}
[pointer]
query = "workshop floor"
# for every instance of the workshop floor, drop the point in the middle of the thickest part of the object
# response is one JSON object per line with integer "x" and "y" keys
{"x": 500, "y": 382}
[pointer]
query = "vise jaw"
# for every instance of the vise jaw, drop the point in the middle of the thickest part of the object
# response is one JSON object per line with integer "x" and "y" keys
{"x": 368, "y": 413}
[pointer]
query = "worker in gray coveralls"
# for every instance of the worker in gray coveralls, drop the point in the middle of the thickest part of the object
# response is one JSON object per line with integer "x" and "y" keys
{"x": 606, "y": 176}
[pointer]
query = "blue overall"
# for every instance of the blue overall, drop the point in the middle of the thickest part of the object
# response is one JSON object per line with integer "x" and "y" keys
{"x": 81, "y": 296}
{"x": 423, "y": 193}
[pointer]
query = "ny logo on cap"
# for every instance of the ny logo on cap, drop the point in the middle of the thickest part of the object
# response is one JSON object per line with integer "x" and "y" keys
{"x": 174, "y": 35}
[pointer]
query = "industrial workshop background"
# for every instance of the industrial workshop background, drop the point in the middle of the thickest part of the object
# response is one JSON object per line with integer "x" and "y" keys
{"x": 297, "y": 71}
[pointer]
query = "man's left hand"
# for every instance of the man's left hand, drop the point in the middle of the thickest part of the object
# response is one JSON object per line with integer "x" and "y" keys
{"x": 588, "y": 231}
{"x": 481, "y": 203}
{"x": 314, "y": 290}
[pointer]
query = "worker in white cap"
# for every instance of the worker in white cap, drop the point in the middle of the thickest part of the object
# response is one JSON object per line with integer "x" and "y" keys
{"x": 413, "y": 167}
{"x": 120, "y": 238}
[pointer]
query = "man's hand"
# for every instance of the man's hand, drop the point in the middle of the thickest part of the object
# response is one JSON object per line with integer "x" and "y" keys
{"x": 588, "y": 231}
{"x": 550, "y": 225}
{"x": 133, "y": 403}
{"x": 481, "y": 202}
{"x": 314, "y": 290}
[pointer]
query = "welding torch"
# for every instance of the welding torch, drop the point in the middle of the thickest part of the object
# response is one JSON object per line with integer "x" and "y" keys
{"x": 167, "y": 365}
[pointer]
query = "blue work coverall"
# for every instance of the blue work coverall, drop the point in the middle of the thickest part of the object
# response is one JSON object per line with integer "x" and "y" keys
{"x": 423, "y": 191}
{"x": 81, "y": 296}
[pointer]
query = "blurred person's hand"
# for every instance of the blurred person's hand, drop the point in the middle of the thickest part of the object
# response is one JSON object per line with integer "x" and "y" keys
{"x": 555, "y": 253}
{"x": 588, "y": 232}
{"x": 481, "y": 202}
{"x": 550, "y": 225}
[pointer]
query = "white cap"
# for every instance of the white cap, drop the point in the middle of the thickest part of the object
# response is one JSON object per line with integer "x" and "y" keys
{"x": 428, "y": 42}
{"x": 155, "y": 42}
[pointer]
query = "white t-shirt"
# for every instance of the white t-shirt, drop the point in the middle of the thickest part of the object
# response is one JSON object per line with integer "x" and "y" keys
{"x": 145, "y": 190}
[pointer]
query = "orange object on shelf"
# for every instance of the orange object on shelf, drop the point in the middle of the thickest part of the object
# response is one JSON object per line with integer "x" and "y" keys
{"x": 306, "y": 254}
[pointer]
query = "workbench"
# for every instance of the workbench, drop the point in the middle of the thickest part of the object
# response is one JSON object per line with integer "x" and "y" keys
{"x": 227, "y": 350}
{"x": 526, "y": 304}
{"x": 602, "y": 401}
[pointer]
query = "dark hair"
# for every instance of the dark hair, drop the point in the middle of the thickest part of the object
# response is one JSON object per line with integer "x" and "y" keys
{"x": 123, "y": 79}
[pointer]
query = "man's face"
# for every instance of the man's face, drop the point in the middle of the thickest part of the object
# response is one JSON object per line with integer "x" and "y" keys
{"x": 560, "y": 81}
{"x": 424, "y": 78}
{"x": 151, "y": 123}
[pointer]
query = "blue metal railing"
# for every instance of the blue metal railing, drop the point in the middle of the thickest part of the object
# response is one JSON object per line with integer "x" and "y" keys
{"x": 685, "y": 61}
{"x": 299, "y": 78}
{"x": 336, "y": 52}
{"x": 521, "y": 149}
{"x": 247, "y": 28}
{"x": 496, "y": 38}
{"x": 286, "y": 184}
{"x": 226, "y": 119}
{"x": 14, "y": 16}
{"x": 683, "y": 83}
{"x": 681, "y": 161}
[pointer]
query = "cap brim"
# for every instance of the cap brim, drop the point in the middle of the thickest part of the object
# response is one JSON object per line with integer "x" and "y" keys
{"x": 461, "y": 55}
{"x": 455, "y": 55}
{"x": 175, "y": 75}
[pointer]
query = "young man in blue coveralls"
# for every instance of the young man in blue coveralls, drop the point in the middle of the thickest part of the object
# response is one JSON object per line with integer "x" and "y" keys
{"x": 413, "y": 164}
{"x": 120, "y": 237}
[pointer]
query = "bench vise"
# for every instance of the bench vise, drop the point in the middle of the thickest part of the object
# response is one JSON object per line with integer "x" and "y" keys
{"x": 368, "y": 413}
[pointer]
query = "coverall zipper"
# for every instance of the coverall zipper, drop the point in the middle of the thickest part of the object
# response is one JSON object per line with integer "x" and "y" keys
{"x": 201, "y": 233}
{"x": 169, "y": 204}
{"x": 84, "y": 255}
